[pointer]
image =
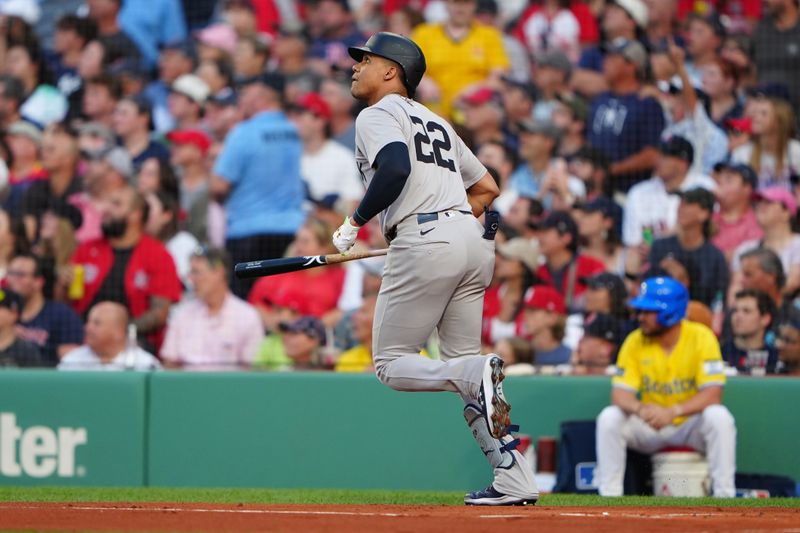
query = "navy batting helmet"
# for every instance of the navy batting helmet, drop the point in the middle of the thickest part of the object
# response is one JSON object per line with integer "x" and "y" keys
{"x": 665, "y": 296}
{"x": 399, "y": 49}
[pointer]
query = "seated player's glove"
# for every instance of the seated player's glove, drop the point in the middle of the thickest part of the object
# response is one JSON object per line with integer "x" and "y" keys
{"x": 345, "y": 237}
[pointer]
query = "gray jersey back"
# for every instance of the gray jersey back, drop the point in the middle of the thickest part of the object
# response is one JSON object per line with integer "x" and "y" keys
{"x": 442, "y": 167}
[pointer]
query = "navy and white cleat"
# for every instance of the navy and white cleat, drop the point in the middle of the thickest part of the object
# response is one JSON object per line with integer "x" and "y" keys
{"x": 495, "y": 407}
{"x": 491, "y": 496}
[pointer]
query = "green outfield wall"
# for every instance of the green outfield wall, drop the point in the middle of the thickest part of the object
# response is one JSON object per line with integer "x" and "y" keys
{"x": 308, "y": 430}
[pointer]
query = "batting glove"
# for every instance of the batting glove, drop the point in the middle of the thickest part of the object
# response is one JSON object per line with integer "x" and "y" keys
{"x": 345, "y": 237}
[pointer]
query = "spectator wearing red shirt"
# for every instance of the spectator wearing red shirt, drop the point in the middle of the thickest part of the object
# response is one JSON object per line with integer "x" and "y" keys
{"x": 128, "y": 267}
{"x": 315, "y": 292}
{"x": 564, "y": 267}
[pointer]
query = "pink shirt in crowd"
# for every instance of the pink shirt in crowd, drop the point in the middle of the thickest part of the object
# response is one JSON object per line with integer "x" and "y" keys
{"x": 731, "y": 234}
{"x": 227, "y": 340}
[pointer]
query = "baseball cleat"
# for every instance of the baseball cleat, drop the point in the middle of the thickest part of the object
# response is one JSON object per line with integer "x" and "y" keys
{"x": 495, "y": 407}
{"x": 491, "y": 496}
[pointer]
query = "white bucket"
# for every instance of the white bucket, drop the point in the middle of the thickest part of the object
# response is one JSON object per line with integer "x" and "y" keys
{"x": 680, "y": 474}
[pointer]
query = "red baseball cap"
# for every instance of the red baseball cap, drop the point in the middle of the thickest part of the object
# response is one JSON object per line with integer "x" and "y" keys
{"x": 198, "y": 138}
{"x": 482, "y": 95}
{"x": 743, "y": 125}
{"x": 546, "y": 298}
{"x": 314, "y": 103}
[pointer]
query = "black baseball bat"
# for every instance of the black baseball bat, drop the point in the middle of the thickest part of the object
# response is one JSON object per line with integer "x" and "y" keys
{"x": 270, "y": 267}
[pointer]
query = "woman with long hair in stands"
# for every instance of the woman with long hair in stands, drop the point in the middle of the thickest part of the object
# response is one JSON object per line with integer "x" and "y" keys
{"x": 772, "y": 152}
{"x": 12, "y": 240}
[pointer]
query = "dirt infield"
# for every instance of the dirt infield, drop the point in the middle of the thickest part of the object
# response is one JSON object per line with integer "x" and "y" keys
{"x": 385, "y": 518}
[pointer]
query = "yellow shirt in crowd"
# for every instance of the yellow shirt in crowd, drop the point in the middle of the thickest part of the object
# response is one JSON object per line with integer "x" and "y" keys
{"x": 454, "y": 65}
{"x": 667, "y": 380}
{"x": 356, "y": 359}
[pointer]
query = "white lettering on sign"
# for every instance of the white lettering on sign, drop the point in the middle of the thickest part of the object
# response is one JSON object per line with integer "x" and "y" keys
{"x": 38, "y": 451}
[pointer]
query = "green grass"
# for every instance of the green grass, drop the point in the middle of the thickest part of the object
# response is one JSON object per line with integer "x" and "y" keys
{"x": 335, "y": 496}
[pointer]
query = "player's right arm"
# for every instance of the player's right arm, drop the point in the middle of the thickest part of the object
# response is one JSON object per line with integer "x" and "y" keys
{"x": 482, "y": 193}
{"x": 627, "y": 381}
{"x": 625, "y": 400}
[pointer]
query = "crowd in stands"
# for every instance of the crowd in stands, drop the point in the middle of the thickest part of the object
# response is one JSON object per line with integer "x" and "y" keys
{"x": 147, "y": 146}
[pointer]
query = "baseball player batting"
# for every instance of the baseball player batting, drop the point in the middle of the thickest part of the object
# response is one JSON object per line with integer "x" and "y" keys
{"x": 676, "y": 368}
{"x": 428, "y": 189}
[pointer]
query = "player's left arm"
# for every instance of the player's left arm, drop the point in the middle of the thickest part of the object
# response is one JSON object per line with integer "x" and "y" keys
{"x": 392, "y": 168}
{"x": 482, "y": 193}
{"x": 481, "y": 187}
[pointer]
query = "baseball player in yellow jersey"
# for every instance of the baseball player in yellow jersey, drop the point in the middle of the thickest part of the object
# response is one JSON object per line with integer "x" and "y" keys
{"x": 667, "y": 392}
{"x": 428, "y": 189}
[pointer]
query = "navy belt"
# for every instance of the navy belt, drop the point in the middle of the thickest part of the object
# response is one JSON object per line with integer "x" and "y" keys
{"x": 430, "y": 217}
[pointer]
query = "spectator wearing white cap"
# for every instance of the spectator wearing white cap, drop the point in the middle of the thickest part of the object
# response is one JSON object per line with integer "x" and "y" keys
{"x": 621, "y": 19}
{"x": 188, "y": 95}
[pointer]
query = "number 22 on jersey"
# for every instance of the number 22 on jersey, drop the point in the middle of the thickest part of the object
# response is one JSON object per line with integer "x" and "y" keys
{"x": 432, "y": 148}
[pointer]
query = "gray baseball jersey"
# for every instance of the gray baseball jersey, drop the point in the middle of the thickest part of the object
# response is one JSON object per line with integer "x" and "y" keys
{"x": 442, "y": 167}
{"x": 437, "y": 269}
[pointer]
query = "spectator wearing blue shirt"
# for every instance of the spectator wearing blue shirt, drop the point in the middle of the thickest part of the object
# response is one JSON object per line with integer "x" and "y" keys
{"x": 52, "y": 326}
{"x": 622, "y": 123}
{"x": 258, "y": 175}
{"x": 152, "y": 23}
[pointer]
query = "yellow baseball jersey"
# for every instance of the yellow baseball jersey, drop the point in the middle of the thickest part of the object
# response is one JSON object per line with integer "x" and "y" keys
{"x": 667, "y": 380}
{"x": 454, "y": 65}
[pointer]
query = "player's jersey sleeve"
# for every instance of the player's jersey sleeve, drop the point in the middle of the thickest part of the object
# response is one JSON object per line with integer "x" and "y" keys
{"x": 376, "y": 127}
{"x": 711, "y": 370}
{"x": 471, "y": 169}
{"x": 628, "y": 374}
